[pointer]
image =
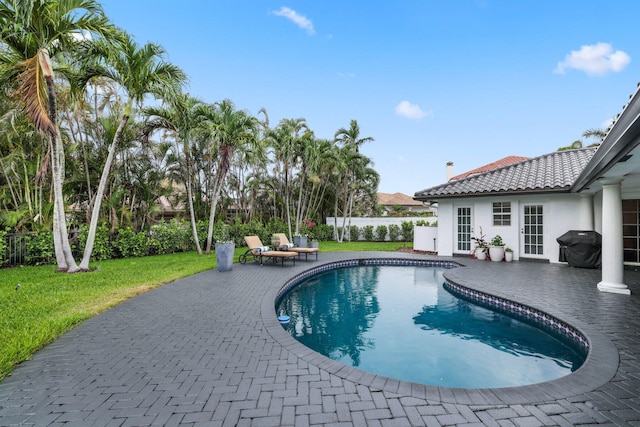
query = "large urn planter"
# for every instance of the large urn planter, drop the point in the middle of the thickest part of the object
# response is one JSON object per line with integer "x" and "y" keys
{"x": 224, "y": 256}
{"x": 300, "y": 241}
{"x": 481, "y": 254}
{"x": 496, "y": 253}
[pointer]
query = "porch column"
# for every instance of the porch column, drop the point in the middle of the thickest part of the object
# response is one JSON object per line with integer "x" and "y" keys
{"x": 612, "y": 244}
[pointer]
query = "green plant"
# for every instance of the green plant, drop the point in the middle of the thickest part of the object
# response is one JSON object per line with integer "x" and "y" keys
{"x": 480, "y": 241}
{"x": 422, "y": 223}
{"x": 497, "y": 241}
{"x": 354, "y": 233}
{"x": 407, "y": 231}
{"x": 394, "y": 232}
{"x": 40, "y": 248}
{"x": 131, "y": 244}
{"x": 508, "y": 249}
{"x": 381, "y": 233}
{"x": 368, "y": 233}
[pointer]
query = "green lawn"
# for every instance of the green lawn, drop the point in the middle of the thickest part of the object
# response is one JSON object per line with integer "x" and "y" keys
{"x": 47, "y": 304}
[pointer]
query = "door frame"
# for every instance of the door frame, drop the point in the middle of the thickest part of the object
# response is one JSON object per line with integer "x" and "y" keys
{"x": 525, "y": 242}
{"x": 456, "y": 234}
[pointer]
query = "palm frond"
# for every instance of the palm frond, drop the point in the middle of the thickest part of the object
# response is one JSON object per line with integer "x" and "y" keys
{"x": 32, "y": 92}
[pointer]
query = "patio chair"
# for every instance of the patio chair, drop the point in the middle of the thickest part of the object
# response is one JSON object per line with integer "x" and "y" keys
{"x": 258, "y": 252}
{"x": 306, "y": 251}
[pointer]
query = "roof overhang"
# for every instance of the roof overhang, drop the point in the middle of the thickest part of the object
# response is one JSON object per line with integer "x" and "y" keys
{"x": 618, "y": 157}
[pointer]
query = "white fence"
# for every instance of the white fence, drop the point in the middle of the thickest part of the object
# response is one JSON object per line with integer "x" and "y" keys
{"x": 425, "y": 238}
{"x": 386, "y": 221}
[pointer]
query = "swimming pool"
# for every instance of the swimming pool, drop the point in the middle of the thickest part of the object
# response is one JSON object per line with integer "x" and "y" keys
{"x": 400, "y": 322}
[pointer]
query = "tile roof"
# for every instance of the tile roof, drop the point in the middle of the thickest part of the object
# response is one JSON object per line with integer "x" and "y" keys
{"x": 506, "y": 161}
{"x": 400, "y": 199}
{"x": 552, "y": 172}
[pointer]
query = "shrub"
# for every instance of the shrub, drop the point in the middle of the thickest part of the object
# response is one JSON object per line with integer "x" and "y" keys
{"x": 3, "y": 248}
{"x": 323, "y": 232}
{"x": 170, "y": 237}
{"x": 40, "y": 248}
{"x": 131, "y": 244}
{"x": 354, "y": 233}
{"x": 407, "y": 231}
{"x": 394, "y": 232}
{"x": 381, "y": 233}
{"x": 368, "y": 233}
{"x": 102, "y": 247}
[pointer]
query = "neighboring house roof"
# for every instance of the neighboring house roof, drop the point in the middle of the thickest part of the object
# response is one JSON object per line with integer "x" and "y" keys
{"x": 397, "y": 199}
{"x": 506, "y": 161}
{"x": 554, "y": 172}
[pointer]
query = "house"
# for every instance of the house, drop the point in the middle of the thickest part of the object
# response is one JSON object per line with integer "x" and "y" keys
{"x": 532, "y": 202}
{"x": 398, "y": 202}
{"x": 505, "y": 161}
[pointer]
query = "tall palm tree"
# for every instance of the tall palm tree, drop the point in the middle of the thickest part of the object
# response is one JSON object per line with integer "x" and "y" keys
{"x": 351, "y": 136}
{"x": 181, "y": 116}
{"x": 228, "y": 130}
{"x": 351, "y": 141}
{"x": 140, "y": 71}
{"x": 32, "y": 32}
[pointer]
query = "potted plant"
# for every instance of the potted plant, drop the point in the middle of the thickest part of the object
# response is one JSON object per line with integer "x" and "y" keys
{"x": 311, "y": 237}
{"x": 480, "y": 251}
{"x": 508, "y": 254}
{"x": 496, "y": 249}
{"x": 225, "y": 248}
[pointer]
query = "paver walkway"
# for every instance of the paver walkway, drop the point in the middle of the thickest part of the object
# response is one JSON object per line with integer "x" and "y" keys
{"x": 207, "y": 350}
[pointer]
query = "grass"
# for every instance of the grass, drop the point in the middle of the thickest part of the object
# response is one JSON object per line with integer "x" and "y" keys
{"x": 47, "y": 304}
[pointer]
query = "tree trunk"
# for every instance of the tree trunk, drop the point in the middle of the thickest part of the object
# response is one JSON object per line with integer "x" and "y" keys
{"x": 192, "y": 214}
{"x": 64, "y": 256}
{"x": 91, "y": 236}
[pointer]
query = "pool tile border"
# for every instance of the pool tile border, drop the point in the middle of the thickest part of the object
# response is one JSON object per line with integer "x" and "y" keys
{"x": 600, "y": 366}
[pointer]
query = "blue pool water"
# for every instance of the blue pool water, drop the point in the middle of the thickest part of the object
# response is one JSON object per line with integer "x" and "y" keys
{"x": 399, "y": 322}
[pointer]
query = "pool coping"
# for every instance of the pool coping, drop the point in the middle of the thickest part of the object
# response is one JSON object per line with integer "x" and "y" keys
{"x": 599, "y": 367}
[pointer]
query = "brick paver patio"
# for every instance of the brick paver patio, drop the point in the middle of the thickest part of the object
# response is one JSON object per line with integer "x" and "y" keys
{"x": 207, "y": 350}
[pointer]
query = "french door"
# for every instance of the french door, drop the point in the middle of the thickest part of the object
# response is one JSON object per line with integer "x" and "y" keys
{"x": 464, "y": 229}
{"x": 532, "y": 231}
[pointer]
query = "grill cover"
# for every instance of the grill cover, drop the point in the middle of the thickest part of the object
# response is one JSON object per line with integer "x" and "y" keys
{"x": 581, "y": 248}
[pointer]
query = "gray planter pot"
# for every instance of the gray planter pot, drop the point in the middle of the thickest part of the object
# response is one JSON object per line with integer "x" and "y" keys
{"x": 224, "y": 256}
{"x": 300, "y": 241}
{"x": 314, "y": 244}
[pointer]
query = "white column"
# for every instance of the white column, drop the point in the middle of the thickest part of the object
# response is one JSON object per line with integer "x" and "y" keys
{"x": 612, "y": 244}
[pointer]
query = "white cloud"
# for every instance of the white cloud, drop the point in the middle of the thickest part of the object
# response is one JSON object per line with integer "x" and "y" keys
{"x": 596, "y": 59}
{"x": 411, "y": 111}
{"x": 293, "y": 16}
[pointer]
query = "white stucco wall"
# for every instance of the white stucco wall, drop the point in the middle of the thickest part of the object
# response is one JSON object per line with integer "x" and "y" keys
{"x": 386, "y": 221}
{"x": 561, "y": 212}
{"x": 425, "y": 238}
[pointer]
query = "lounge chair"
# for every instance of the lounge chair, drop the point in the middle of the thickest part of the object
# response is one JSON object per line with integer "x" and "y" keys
{"x": 258, "y": 252}
{"x": 306, "y": 251}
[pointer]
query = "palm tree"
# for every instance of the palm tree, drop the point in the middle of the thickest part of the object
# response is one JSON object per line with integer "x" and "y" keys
{"x": 140, "y": 71}
{"x": 351, "y": 143}
{"x": 351, "y": 136}
{"x": 182, "y": 115}
{"x": 228, "y": 130}
{"x": 32, "y": 32}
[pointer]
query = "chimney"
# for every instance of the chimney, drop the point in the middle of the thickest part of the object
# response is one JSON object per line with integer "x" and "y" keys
{"x": 449, "y": 170}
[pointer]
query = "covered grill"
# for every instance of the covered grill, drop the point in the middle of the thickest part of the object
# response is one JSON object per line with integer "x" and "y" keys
{"x": 581, "y": 248}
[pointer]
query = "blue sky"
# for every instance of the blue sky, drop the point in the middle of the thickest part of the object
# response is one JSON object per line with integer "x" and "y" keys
{"x": 468, "y": 81}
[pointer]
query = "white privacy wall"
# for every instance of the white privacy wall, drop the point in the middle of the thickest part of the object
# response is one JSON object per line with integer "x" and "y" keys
{"x": 562, "y": 212}
{"x": 361, "y": 222}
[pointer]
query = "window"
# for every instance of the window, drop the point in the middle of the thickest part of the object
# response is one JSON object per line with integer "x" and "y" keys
{"x": 501, "y": 213}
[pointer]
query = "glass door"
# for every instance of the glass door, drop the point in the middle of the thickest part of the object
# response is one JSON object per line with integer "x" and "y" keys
{"x": 464, "y": 230}
{"x": 532, "y": 243}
